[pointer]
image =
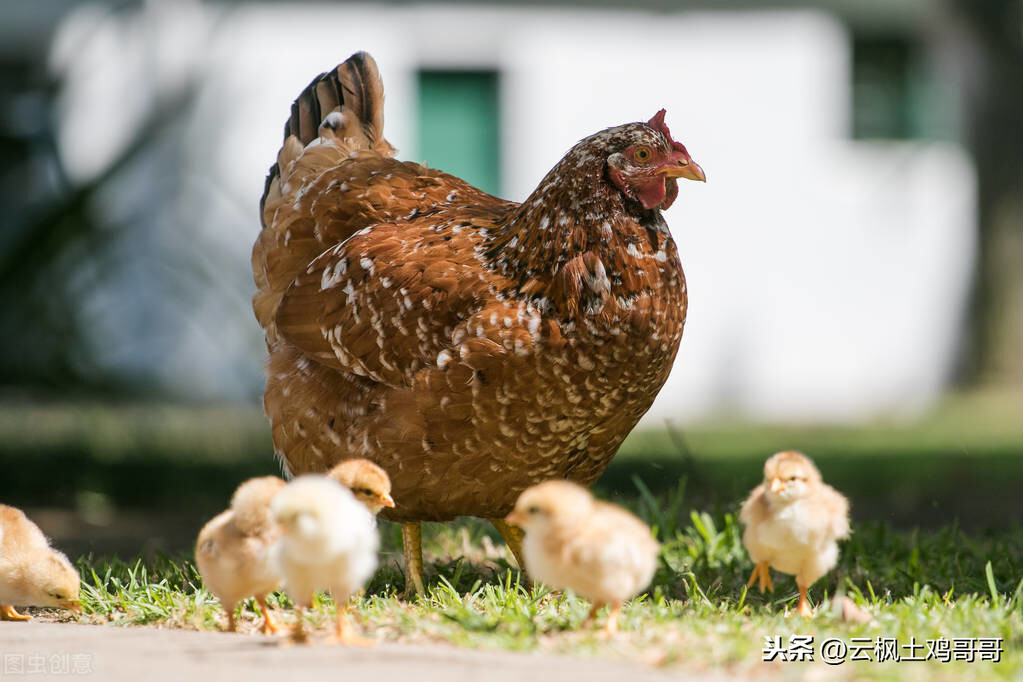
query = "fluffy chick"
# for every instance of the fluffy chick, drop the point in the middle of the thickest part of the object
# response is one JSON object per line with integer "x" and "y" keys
{"x": 793, "y": 523}
{"x": 233, "y": 549}
{"x": 31, "y": 572}
{"x": 597, "y": 550}
{"x": 328, "y": 541}
{"x": 369, "y": 483}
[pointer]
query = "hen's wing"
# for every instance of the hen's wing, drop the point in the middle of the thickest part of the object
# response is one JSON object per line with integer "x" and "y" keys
{"x": 386, "y": 302}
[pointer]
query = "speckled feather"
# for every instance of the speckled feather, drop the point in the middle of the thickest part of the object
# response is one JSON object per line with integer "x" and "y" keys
{"x": 470, "y": 346}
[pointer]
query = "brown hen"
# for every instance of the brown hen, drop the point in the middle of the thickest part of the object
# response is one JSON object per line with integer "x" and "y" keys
{"x": 470, "y": 346}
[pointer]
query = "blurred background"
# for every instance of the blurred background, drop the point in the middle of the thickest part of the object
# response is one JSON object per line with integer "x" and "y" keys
{"x": 854, "y": 260}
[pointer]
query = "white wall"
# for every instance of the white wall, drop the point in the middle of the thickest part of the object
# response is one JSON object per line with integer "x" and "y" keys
{"x": 827, "y": 278}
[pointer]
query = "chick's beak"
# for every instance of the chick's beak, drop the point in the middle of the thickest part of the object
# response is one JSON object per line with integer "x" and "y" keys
{"x": 74, "y": 605}
{"x": 682, "y": 166}
{"x": 514, "y": 518}
{"x": 386, "y": 500}
{"x": 776, "y": 485}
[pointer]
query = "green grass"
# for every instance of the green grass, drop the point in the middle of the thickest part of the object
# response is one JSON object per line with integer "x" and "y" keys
{"x": 937, "y": 549}
{"x": 697, "y": 614}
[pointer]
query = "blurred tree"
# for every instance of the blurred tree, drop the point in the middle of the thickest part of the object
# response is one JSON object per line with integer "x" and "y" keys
{"x": 996, "y": 132}
{"x": 54, "y": 251}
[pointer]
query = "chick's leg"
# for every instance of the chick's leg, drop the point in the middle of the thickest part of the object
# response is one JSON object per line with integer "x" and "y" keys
{"x": 592, "y": 614}
{"x": 803, "y": 607}
{"x": 298, "y": 634}
{"x": 346, "y": 633}
{"x": 7, "y": 612}
{"x": 611, "y": 626}
{"x": 269, "y": 627}
{"x": 762, "y": 573}
{"x": 513, "y": 538}
{"x": 412, "y": 545}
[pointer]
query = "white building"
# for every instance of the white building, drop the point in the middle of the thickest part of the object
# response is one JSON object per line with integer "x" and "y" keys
{"x": 827, "y": 277}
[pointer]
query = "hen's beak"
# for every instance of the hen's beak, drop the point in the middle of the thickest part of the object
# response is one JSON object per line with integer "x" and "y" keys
{"x": 776, "y": 485}
{"x": 514, "y": 519}
{"x": 686, "y": 168}
{"x": 386, "y": 500}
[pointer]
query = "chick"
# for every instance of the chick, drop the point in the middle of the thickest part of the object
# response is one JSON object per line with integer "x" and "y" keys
{"x": 233, "y": 549}
{"x": 328, "y": 541}
{"x": 793, "y": 522}
{"x": 369, "y": 483}
{"x": 31, "y": 572}
{"x": 597, "y": 550}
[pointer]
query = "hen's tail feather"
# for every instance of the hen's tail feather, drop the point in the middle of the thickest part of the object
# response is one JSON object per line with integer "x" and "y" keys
{"x": 355, "y": 85}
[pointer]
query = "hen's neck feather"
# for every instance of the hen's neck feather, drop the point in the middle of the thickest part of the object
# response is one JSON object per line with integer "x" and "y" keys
{"x": 567, "y": 244}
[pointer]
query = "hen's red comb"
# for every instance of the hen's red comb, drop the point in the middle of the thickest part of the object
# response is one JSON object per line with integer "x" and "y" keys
{"x": 658, "y": 124}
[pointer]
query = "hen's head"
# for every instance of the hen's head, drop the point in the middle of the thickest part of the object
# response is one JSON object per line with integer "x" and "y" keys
{"x": 646, "y": 162}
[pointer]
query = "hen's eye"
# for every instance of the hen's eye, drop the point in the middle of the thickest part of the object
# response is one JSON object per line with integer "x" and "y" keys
{"x": 642, "y": 154}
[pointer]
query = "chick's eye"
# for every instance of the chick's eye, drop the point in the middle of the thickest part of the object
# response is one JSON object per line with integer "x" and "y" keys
{"x": 365, "y": 491}
{"x": 642, "y": 154}
{"x": 533, "y": 510}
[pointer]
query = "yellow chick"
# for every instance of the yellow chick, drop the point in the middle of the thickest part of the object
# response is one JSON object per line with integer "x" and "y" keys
{"x": 793, "y": 523}
{"x": 233, "y": 549}
{"x": 31, "y": 572}
{"x": 328, "y": 541}
{"x": 369, "y": 483}
{"x": 572, "y": 541}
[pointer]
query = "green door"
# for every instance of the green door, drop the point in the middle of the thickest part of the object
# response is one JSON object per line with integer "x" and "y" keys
{"x": 458, "y": 125}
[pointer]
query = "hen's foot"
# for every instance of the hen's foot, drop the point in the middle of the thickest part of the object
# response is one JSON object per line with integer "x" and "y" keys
{"x": 513, "y": 536}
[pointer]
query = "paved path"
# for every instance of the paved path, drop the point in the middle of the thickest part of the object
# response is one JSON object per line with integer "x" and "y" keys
{"x": 144, "y": 654}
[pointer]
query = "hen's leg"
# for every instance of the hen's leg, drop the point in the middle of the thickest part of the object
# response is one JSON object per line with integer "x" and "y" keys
{"x": 412, "y": 544}
{"x": 513, "y": 538}
{"x": 269, "y": 627}
{"x": 7, "y": 612}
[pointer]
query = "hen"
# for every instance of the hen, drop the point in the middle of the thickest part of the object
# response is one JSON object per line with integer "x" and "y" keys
{"x": 470, "y": 346}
